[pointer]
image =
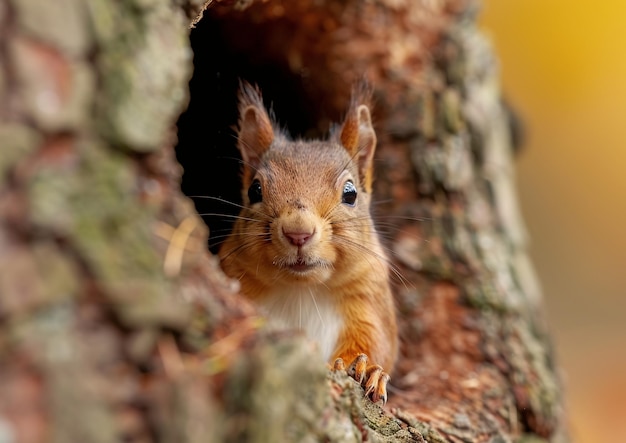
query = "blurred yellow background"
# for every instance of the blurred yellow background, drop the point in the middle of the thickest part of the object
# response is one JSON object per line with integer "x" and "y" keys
{"x": 563, "y": 67}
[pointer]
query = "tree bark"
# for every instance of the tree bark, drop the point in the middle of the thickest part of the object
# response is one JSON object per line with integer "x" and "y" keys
{"x": 117, "y": 324}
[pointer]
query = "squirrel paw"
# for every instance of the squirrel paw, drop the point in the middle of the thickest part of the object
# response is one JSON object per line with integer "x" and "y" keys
{"x": 373, "y": 379}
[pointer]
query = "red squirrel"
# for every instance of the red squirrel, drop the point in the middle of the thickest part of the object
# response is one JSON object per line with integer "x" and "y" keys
{"x": 304, "y": 246}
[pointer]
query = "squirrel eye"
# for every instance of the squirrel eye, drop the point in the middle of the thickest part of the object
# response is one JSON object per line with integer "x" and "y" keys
{"x": 349, "y": 193}
{"x": 255, "y": 192}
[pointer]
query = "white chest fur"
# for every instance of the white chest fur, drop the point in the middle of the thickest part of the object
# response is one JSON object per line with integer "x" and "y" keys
{"x": 308, "y": 308}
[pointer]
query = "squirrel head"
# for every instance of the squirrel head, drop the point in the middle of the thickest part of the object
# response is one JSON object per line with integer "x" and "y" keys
{"x": 306, "y": 203}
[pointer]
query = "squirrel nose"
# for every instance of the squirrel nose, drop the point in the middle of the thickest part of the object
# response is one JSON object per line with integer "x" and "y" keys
{"x": 298, "y": 238}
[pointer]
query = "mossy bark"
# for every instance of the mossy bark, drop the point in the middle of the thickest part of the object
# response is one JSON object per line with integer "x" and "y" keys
{"x": 117, "y": 324}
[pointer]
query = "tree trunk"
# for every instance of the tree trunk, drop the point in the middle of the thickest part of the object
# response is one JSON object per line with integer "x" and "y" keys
{"x": 117, "y": 324}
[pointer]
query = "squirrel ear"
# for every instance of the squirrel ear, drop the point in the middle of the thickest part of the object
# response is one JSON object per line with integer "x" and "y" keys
{"x": 359, "y": 139}
{"x": 255, "y": 128}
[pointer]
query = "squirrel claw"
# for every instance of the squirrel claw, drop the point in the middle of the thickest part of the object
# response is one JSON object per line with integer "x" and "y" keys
{"x": 339, "y": 365}
{"x": 373, "y": 379}
{"x": 358, "y": 368}
{"x": 379, "y": 391}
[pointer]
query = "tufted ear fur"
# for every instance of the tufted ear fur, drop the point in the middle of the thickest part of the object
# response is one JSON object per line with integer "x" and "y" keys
{"x": 255, "y": 128}
{"x": 358, "y": 138}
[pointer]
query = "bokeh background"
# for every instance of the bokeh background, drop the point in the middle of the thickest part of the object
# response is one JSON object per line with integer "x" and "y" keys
{"x": 563, "y": 67}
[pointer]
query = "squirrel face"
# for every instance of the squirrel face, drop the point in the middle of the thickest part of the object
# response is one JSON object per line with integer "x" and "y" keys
{"x": 306, "y": 203}
{"x": 304, "y": 209}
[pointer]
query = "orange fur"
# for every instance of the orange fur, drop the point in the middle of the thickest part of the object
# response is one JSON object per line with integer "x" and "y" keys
{"x": 340, "y": 269}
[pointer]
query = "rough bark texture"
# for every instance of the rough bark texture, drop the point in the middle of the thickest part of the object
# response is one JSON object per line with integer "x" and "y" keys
{"x": 116, "y": 324}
